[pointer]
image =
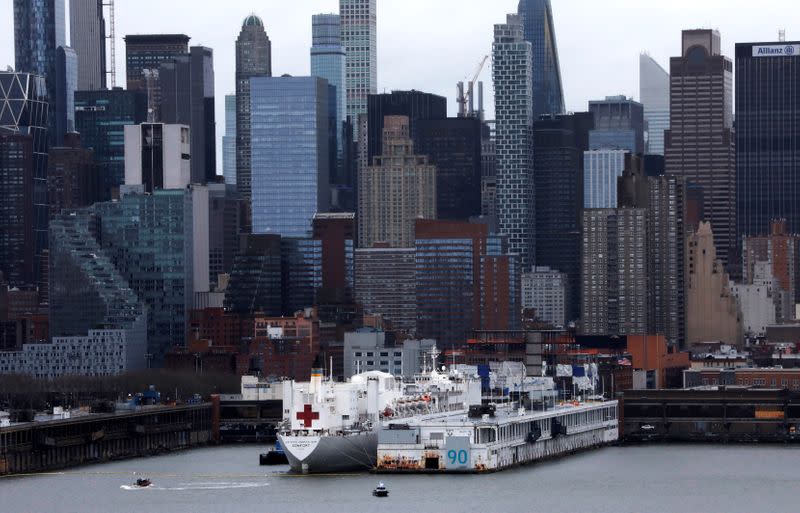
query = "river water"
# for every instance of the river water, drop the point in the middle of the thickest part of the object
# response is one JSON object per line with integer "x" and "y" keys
{"x": 652, "y": 479}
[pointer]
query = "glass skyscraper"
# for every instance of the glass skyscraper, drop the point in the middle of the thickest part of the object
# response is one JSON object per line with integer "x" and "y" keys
{"x": 290, "y": 153}
{"x": 359, "y": 38}
{"x": 618, "y": 124}
{"x": 767, "y": 135}
{"x": 511, "y": 73}
{"x": 654, "y": 95}
{"x": 100, "y": 118}
{"x": 601, "y": 168}
{"x": 328, "y": 62}
{"x": 539, "y": 30}
{"x": 229, "y": 141}
{"x": 66, "y": 85}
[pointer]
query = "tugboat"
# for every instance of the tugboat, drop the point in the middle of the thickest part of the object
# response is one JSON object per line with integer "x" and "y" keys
{"x": 380, "y": 490}
{"x": 143, "y": 483}
{"x": 274, "y": 457}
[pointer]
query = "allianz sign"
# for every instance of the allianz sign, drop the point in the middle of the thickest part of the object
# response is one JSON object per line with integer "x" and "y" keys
{"x": 776, "y": 51}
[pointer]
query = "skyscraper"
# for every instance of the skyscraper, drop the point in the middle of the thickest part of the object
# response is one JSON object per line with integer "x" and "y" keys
{"x": 187, "y": 98}
{"x": 767, "y": 131}
{"x": 255, "y": 284}
{"x": 73, "y": 178}
{"x": 143, "y": 57}
{"x": 88, "y": 39}
{"x": 601, "y": 168}
{"x": 359, "y": 37}
{"x": 539, "y": 30}
{"x": 415, "y": 105}
{"x": 290, "y": 153}
{"x": 398, "y": 188}
{"x": 385, "y": 285}
{"x": 618, "y": 124}
{"x": 229, "y": 141}
{"x": 700, "y": 142}
{"x": 100, "y": 118}
{"x": 24, "y": 112}
{"x": 654, "y": 95}
{"x": 223, "y": 229}
{"x": 328, "y": 61}
{"x": 157, "y": 156}
{"x": 253, "y": 59}
{"x": 39, "y": 29}
{"x": 560, "y": 144}
{"x": 66, "y": 85}
{"x": 17, "y": 250}
{"x": 513, "y": 98}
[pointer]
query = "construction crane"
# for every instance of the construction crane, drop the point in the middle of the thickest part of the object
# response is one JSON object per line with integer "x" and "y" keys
{"x": 466, "y": 100}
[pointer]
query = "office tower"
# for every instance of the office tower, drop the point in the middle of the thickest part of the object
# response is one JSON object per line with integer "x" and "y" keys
{"x": 143, "y": 57}
{"x": 560, "y": 144}
{"x": 601, "y": 169}
{"x": 453, "y": 145}
{"x": 17, "y": 219}
{"x": 700, "y": 142}
{"x": 337, "y": 234}
{"x": 73, "y": 178}
{"x": 359, "y": 39}
{"x": 712, "y": 312}
{"x": 654, "y": 95}
{"x": 187, "y": 98}
{"x": 88, "y": 39}
{"x": 767, "y": 121}
{"x": 614, "y": 288}
{"x": 150, "y": 240}
{"x": 667, "y": 229}
{"x": 544, "y": 292}
{"x": 39, "y": 29}
{"x": 301, "y": 268}
{"x": 290, "y": 153}
{"x": 398, "y": 188}
{"x": 24, "y": 112}
{"x": 253, "y": 59}
{"x": 157, "y": 156}
{"x": 87, "y": 291}
{"x": 328, "y": 61}
{"x": 415, "y": 105}
{"x": 781, "y": 249}
{"x": 539, "y": 30}
{"x": 223, "y": 230}
{"x": 100, "y": 118}
{"x": 66, "y": 85}
{"x": 229, "y": 141}
{"x": 386, "y": 286}
{"x": 618, "y": 124}
{"x": 255, "y": 285}
{"x": 513, "y": 98}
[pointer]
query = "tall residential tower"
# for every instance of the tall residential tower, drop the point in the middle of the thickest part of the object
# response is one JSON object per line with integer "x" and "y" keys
{"x": 88, "y": 39}
{"x": 359, "y": 38}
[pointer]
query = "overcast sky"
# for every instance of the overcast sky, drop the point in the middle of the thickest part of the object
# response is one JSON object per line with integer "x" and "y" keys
{"x": 430, "y": 45}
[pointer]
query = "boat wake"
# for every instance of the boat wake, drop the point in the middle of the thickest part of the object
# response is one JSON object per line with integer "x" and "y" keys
{"x": 198, "y": 486}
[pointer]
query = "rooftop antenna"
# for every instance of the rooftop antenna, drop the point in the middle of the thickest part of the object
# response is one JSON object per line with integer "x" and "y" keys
{"x": 782, "y": 35}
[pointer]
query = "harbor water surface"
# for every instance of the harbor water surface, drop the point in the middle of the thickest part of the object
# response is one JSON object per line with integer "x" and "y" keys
{"x": 659, "y": 478}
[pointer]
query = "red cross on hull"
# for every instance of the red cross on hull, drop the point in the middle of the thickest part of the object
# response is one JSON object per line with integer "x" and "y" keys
{"x": 308, "y": 415}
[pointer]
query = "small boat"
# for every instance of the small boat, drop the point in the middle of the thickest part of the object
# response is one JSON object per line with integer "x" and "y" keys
{"x": 143, "y": 483}
{"x": 380, "y": 490}
{"x": 274, "y": 457}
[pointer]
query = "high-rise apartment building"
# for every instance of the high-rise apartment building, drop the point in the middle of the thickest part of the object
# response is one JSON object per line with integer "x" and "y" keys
{"x": 24, "y": 112}
{"x": 654, "y": 95}
{"x": 187, "y": 98}
{"x": 560, "y": 144}
{"x": 767, "y": 123}
{"x": 290, "y": 143}
{"x": 39, "y": 30}
{"x": 539, "y": 30}
{"x": 143, "y": 57}
{"x": 415, "y": 105}
{"x": 385, "y": 285}
{"x": 614, "y": 288}
{"x": 513, "y": 97}
{"x": 544, "y": 291}
{"x": 229, "y": 141}
{"x": 88, "y": 39}
{"x": 157, "y": 156}
{"x": 359, "y": 34}
{"x": 700, "y": 143}
{"x": 17, "y": 219}
{"x": 253, "y": 59}
{"x": 398, "y": 188}
{"x": 66, "y": 85}
{"x": 100, "y": 118}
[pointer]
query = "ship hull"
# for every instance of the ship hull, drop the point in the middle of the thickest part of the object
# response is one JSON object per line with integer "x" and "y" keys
{"x": 326, "y": 454}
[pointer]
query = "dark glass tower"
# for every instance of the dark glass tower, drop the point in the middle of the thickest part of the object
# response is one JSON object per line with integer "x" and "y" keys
{"x": 187, "y": 98}
{"x": 253, "y": 59}
{"x": 24, "y": 112}
{"x": 39, "y": 29}
{"x": 144, "y": 55}
{"x": 88, "y": 39}
{"x": 767, "y": 135}
{"x": 558, "y": 178}
{"x": 548, "y": 94}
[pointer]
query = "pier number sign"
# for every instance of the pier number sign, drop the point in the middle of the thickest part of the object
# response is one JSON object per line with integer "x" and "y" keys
{"x": 456, "y": 453}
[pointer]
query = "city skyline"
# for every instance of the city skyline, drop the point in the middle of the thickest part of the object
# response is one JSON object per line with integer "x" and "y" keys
{"x": 461, "y": 46}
